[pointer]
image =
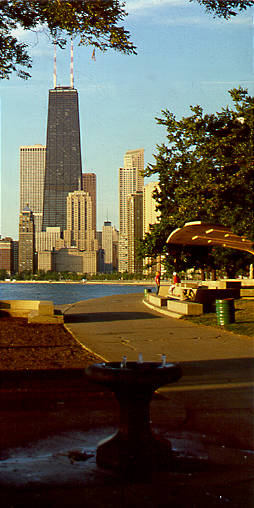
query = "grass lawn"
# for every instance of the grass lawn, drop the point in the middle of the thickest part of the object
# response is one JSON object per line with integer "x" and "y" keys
{"x": 244, "y": 318}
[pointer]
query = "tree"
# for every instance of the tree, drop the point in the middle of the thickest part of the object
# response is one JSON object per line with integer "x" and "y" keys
{"x": 3, "y": 274}
{"x": 205, "y": 173}
{"x": 93, "y": 22}
{"x": 225, "y": 8}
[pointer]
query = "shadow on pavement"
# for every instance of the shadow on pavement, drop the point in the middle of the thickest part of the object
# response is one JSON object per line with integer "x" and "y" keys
{"x": 107, "y": 316}
{"x": 242, "y": 368}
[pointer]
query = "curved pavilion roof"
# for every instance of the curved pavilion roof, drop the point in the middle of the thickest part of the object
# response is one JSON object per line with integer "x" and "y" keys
{"x": 199, "y": 233}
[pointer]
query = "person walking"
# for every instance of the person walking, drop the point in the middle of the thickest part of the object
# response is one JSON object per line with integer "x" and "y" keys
{"x": 157, "y": 282}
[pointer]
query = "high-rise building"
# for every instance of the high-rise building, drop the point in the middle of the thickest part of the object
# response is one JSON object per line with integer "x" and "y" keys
{"x": 49, "y": 240}
{"x": 115, "y": 236}
{"x": 15, "y": 255}
{"x": 6, "y": 255}
{"x": 26, "y": 240}
{"x": 135, "y": 159}
{"x": 150, "y": 214}
{"x": 79, "y": 231}
{"x": 130, "y": 181}
{"x": 63, "y": 155}
{"x": 89, "y": 185}
{"x": 150, "y": 217}
{"x": 135, "y": 230}
{"x": 32, "y": 170}
{"x": 110, "y": 247}
{"x": 99, "y": 238}
{"x": 69, "y": 259}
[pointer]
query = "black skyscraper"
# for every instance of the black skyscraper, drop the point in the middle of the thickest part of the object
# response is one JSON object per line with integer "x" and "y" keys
{"x": 63, "y": 155}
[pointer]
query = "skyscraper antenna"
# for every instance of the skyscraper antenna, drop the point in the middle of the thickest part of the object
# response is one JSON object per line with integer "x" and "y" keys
{"x": 54, "y": 64}
{"x": 72, "y": 80}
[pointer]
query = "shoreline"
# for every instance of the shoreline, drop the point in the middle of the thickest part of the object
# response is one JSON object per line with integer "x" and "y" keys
{"x": 104, "y": 282}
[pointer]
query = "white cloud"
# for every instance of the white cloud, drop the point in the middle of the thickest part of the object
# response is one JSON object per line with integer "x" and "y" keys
{"x": 19, "y": 33}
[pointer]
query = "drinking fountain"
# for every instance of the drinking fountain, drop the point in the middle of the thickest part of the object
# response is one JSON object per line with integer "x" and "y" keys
{"x": 134, "y": 448}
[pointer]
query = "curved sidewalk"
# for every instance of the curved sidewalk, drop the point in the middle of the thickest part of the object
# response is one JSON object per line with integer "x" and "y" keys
{"x": 209, "y": 411}
{"x": 217, "y": 386}
{"x": 122, "y": 325}
{"x": 119, "y": 325}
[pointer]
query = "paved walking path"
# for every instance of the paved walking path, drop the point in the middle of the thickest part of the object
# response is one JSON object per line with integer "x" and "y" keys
{"x": 209, "y": 412}
{"x": 122, "y": 325}
{"x": 217, "y": 385}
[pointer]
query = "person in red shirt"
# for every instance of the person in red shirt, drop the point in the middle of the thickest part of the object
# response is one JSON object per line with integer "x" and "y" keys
{"x": 176, "y": 280}
{"x": 157, "y": 282}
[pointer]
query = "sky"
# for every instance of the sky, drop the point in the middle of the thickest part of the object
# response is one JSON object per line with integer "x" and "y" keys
{"x": 185, "y": 57}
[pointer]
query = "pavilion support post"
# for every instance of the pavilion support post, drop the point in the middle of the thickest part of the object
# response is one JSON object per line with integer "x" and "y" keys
{"x": 213, "y": 274}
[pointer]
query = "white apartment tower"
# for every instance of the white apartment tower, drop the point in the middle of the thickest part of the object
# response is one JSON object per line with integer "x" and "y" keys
{"x": 130, "y": 181}
{"x": 32, "y": 171}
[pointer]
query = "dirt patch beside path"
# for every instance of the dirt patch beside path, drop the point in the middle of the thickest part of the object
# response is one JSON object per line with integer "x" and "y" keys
{"x": 37, "y": 346}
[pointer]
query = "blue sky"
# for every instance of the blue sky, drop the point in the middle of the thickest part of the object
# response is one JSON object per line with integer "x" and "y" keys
{"x": 185, "y": 57}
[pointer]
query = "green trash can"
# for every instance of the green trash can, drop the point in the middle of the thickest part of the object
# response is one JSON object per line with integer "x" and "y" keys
{"x": 145, "y": 293}
{"x": 225, "y": 311}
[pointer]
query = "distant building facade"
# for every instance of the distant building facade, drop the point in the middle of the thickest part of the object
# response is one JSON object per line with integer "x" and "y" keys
{"x": 15, "y": 255}
{"x": 26, "y": 241}
{"x": 70, "y": 260}
{"x": 150, "y": 216}
{"x": 110, "y": 238}
{"x": 79, "y": 231}
{"x": 6, "y": 255}
{"x": 89, "y": 185}
{"x": 32, "y": 171}
{"x": 99, "y": 238}
{"x": 135, "y": 230}
{"x": 49, "y": 239}
{"x": 130, "y": 181}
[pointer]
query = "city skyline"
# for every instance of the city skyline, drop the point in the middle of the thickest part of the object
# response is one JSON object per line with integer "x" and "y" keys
{"x": 184, "y": 57}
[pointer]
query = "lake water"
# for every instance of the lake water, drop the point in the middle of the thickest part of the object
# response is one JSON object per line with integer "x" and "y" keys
{"x": 64, "y": 293}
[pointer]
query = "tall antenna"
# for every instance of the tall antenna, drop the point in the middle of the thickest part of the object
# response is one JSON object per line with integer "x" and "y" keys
{"x": 72, "y": 80}
{"x": 54, "y": 64}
